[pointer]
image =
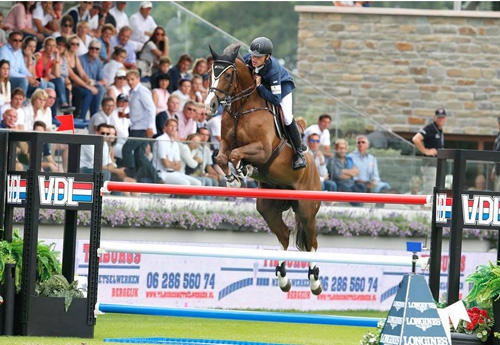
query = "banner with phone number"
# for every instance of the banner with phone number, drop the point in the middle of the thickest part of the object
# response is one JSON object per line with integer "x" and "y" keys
{"x": 174, "y": 281}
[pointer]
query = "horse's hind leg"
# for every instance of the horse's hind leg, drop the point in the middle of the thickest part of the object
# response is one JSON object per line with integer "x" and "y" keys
{"x": 271, "y": 211}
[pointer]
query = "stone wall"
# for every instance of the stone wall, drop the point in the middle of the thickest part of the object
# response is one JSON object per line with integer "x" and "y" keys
{"x": 397, "y": 66}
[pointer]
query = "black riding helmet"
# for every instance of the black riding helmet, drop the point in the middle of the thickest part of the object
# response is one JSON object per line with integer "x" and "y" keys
{"x": 261, "y": 46}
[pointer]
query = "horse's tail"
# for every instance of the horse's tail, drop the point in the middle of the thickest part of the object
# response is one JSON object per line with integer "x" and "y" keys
{"x": 300, "y": 236}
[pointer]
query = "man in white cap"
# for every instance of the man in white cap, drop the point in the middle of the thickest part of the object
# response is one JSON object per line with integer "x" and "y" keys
{"x": 142, "y": 24}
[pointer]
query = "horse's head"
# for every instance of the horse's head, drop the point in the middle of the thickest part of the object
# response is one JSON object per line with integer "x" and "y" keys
{"x": 225, "y": 78}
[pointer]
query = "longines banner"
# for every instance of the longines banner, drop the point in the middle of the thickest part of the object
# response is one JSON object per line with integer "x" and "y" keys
{"x": 140, "y": 279}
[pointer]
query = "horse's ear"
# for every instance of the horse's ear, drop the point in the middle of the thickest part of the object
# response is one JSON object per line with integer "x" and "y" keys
{"x": 214, "y": 54}
{"x": 234, "y": 54}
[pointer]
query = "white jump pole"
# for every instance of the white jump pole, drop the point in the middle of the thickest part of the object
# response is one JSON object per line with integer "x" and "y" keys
{"x": 259, "y": 254}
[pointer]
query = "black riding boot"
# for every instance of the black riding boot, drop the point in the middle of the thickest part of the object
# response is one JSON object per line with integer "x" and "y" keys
{"x": 299, "y": 161}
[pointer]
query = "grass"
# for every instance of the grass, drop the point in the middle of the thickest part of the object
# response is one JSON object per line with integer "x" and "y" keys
{"x": 128, "y": 326}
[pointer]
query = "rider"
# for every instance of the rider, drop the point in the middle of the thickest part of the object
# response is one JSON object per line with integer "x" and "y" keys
{"x": 275, "y": 85}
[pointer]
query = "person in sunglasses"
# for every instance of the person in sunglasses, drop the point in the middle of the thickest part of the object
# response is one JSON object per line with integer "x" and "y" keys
{"x": 11, "y": 52}
{"x": 313, "y": 143}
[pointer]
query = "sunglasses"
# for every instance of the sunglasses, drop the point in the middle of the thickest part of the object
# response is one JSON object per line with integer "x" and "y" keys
{"x": 191, "y": 109}
{"x": 361, "y": 142}
{"x": 94, "y": 48}
{"x": 105, "y": 133}
{"x": 75, "y": 44}
{"x": 67, "y": 26}
{"x": 314, "y": 140}
{"x": 17, "y": 41}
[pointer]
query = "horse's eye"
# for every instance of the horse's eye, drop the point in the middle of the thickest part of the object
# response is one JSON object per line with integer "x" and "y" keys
{"x": 228, "y": 75}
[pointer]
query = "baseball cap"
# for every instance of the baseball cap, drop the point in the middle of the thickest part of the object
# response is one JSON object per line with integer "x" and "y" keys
{"x": 146, "y": 4}
{"x": 440, "y": 112}
{"x": 122, "y": 97}
{"x": 120, "y": 73}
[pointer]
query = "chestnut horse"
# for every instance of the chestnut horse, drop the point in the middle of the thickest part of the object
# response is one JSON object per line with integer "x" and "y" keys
{"x": 250, "y": 142}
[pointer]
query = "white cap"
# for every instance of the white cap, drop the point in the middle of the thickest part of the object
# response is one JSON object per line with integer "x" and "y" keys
{"x": 120, "y": 73}
{"x": 146, "y": 4}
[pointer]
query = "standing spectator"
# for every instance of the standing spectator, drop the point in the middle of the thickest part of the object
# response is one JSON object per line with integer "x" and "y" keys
{"x": 183, "y": 91}
{"x": 92, "y": 66}
{"x": 107, "y": 31}
{"x": 179, "y": 71}
{"x": 142, "y": 125}
{"x": 172, "y": 109}
{"x": 80, "y": 12}
{"x": 342, "y": 170}
{"x": 45, "y": 20}
{"x": 154, "y": 48}
{"x": 37, "y": 111}
{"x": 187, "y": 120}
{"x": 428, "y": 140}
{"x": 83, "y": 89}
{"x": 313, "y": 142}
{"x": 120, "y": 85}
{"x": 322, "y": 127}
{"x": 16, "y": 102}
{"x": 105, "y": 16}
{"x": 142, "y": 24}
{"x": 118, "y": 12}
{"x": 19, "y": 18}
{"x": 19, "y": 73}
{"x": 66, "y": 29}
{"x": 112, "y": 67}
{"x": 4, "y": 82}
{"x": 167, "y": 159}
{"x": 367, "y": 167}
{"x": 123, "y": 40}
{"x": 495, "y": 173}
{"x": 104, "y": 115}
{"x": 163, "y": 67}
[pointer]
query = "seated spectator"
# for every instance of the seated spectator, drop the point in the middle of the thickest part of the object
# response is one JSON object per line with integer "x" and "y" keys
{"x": 66, "y": 29}
{"x": 120, "y": 85}
{"x": 214, "y": 127}
{"x": 93, "y": 67}
{"x": 187, "y": 120}
{"x": 183, "y": 91}
{"x": 163, "y": 67}
{"x": 19, "y": 74}
{"x": 58, "y": 6}
{"x": 9, "y": 119}
{"x": 154, "y": 48}
{"x": 322, "y": 127}
{"x": 313, "y": 146}
{"x": 105, "y": 16}
{"x": 161, "y": 94}
{"x": 197, "y": 93}
{"x": 16, "y": 102}
{"x": 179, "y": 71}
{"x": 142, "y": 24}
{"x": 65, "y": 96}
{"x": 122, "y": 124}
{"x": 167, "y": 159}
{"x": 479, "y": 183}
{"x": 367, "y": 165}
{"x": 212, "y": 170}
{"x": 82, "y": 32}
{"x": 29, "y": 48}
{"x": 94, "y": 27}
{"x": 48, "y": 161}
{"x": 192, "y": 164}
{"x": 201, "y": 114}
{"x": 19, "y": 18}
{"x": 415, "y": 185}
{"x": 123, "y": 40}
{"x": 84, "y": 90}
{"x": 170, "y": 113}
{"x": 119, "y": 14}
{"x": 36, "y": 110}
{"x": 45, "y": 20}
{"x": 342, "y": 170}
{"x": 106, "y": 53}
{"x": 109, "y": 70}
{"x": 104, "y": 115}
{"x": 4, "y": 82}
{"x": 200, "y": 68}
{"x": 80, "y": 12}
{"x": 3, "y": 34}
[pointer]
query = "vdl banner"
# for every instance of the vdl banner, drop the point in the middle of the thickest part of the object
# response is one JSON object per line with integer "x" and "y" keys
{"x": 145, "y": 279}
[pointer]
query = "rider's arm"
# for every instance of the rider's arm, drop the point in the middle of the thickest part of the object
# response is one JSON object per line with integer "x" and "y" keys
{"x": 271, "y": 91}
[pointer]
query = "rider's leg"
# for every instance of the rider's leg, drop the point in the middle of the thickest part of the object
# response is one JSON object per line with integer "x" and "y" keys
{"x": 299, "y": 161}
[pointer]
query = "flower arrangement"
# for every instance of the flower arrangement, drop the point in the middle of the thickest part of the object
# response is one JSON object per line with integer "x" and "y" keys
{"x": 481, "y": 323}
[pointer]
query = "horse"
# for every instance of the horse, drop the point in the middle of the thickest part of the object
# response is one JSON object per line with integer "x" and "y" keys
{"x": 250, "y": 141}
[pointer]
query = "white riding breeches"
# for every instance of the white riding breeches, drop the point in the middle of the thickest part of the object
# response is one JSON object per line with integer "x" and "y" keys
{"x": 286, "y": 105}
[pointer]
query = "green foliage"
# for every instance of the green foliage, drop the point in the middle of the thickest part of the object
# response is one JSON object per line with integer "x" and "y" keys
{"x": 486, "y": 280}
{"x": 58, "y": 286}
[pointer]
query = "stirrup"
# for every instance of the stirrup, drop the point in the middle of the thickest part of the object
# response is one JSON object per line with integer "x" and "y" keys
{"x": 299, "y": 161}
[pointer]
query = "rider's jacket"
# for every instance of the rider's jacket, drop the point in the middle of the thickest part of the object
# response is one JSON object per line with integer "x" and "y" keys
{"x": 276, "y": 82}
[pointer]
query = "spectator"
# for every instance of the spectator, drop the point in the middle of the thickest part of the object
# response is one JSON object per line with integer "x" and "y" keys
{"x": 104, "y": 115}
{"x": 163, "y": 67}
{"x": 313, "y": 142}
{"x": 4, "y": 82}
{"x": 122, "y": 124}
{"x": 187, "y": 120}
{"x": 197, "y": 93}
{"x": 84, "y": 90}
{"x": 82, "y": 32}
{"x": 201, "y": 113}
{"x": 66, "y": 29}
{"x": 36, "y": 110}
{"x": 48, "y": 162}
{"x": 45, "y": 20}
{"x": 214, "y": 126}
{"x": 142, "y": 125}
{"x": 19, "y": 18}
{"x": 123, "y": 40}
{"x": 479, "y": 183}
{"x": 213, "y": 170}
{"x": 3, "y": 29}
{"x": 200, "y": 67}
{"x": 9, "y": 119}
{"x": 19, "y": 73}
{"x": 342, "y": 170}
{"x": 154, "y": 48}
{"x": 16, "y": 102}
{"x": 116, "y": 64}
{"x": 415, "y": 185}
{"x": 161, "y": 94}
{"x": 167, "y": 159}
{"x": 105, "y": 16}
{"x": 80, "y": 13}
{"x": 172, "y": 109}
{"x": 367, "y": 165}
{"x": 93, "y": 67}
{"x": 495, "y": 172}
{"x": 179, "y": 71}
{"x": 65, "y": 96}
{"x": 142, "y": 24}
{"x": 183, "y": 91}
{"x": 94, "y": 27}
{"x": 58, "y": 6}
{"x": 192, "y": 164}
{"x": 118, "y": 12}
{"x": 107, "y": 31}
{"x": 322, "y": 127}
{"x": 120, "y": 85}
{"x": 29, "y": 48}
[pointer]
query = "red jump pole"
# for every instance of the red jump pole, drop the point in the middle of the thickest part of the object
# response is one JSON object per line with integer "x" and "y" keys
{"x": 110, "y": 186}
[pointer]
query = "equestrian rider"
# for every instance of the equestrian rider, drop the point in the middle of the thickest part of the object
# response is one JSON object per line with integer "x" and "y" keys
{"x": 275, "y": 85}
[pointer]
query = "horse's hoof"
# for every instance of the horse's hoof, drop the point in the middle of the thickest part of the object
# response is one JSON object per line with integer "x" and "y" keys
{"x": 287, "y": 287}
{"x": 317, "y": 291}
